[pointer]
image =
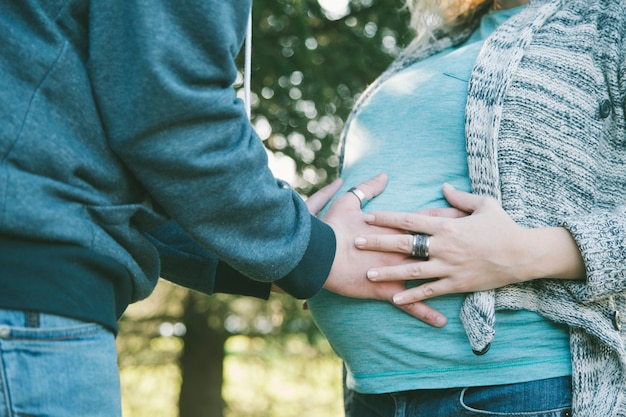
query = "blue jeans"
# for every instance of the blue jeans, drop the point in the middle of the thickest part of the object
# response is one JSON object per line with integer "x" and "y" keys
{"x": 543, "y": 398}
{"x": 55, "y": 366}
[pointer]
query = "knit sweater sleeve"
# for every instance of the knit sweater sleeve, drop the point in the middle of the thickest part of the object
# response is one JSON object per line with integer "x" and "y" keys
{"x": 601, "y": 234}
{"x": 601, "y": 238}
{"x": 162, "y": 75}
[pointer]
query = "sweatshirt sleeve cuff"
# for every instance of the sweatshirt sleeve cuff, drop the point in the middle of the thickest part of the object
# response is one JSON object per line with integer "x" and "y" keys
{"x": 308, "y": 277}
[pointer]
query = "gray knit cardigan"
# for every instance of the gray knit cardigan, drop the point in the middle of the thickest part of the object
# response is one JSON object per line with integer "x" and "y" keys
{"x": 546, "y": 136}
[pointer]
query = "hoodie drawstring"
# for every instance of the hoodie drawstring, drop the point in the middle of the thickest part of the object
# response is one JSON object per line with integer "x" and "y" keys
{"x": 248, "y": 65}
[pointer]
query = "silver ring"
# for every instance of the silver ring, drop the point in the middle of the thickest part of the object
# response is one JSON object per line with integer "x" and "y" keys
{"x": 420, "y": 246}
{"x": 360, "y": 195}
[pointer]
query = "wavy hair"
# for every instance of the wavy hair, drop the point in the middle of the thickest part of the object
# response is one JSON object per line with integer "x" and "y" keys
{"x": 434, "y": 19}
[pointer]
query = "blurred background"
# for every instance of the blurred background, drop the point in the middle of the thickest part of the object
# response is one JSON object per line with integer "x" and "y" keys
{"x": 185, "y": 354}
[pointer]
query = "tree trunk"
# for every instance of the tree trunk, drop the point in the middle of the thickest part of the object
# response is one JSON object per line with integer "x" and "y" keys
{"x": 201, "y": 363}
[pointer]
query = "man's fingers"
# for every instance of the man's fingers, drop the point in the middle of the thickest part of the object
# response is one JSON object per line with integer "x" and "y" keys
{"x": 374, "y": 186}
{"x": 425, "y": 313}
{"x": 369, "y": 189}
{"x": 419, "y": 310}
{"x": 317, "y": 201}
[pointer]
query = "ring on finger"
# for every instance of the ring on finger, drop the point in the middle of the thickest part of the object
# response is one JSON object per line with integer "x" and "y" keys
{"x": 420, "y": 246}
{"x": 360, "y": 195}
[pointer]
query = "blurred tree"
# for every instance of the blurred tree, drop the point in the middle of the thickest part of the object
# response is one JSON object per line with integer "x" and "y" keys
{"x": 202, "y": 360}
{"x": 310, "y": 63}
{"x": 210, "y": 321}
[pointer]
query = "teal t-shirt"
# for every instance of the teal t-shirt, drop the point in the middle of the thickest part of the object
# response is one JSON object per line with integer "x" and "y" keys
{"x": 412, "y": 128}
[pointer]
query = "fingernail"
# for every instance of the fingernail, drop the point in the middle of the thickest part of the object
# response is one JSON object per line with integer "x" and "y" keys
{"x": 369, "y": 218}
{"x": 440, "y": 321}
{"x": 372, "y": 275}
{"x": 360, "y": 241}
{"x": 398, "y": 299}
{"x": 448, "y": 186}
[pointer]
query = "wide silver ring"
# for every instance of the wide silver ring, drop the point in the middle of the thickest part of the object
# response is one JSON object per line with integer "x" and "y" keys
{"x": 420, "y": 246}
{"x": 360, "y": 195}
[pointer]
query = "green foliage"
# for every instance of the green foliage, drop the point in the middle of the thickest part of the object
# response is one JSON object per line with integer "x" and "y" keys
{"x": 308, "y": 70}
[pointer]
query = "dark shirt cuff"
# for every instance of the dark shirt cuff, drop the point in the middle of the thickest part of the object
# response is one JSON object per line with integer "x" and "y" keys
{"x": 308, "y": 277}
{"x": 186, "y": 263}
{"x": 230, "y": 281}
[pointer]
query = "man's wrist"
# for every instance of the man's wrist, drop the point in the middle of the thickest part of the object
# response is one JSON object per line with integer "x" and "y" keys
{"x": 308, "y": 277}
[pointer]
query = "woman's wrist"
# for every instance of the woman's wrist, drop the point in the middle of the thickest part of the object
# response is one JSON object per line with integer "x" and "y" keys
{"x": 553, "y": 254}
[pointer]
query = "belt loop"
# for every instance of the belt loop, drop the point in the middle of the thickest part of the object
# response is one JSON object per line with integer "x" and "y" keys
{"x": 400, "y": 402}
{"x": 32, "y": 319}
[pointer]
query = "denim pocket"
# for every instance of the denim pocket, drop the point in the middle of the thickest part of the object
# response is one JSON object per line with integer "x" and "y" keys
{"x": 543, "y": 398}
{"x": 61, "y": 333}
{"x": 60, "y": 367}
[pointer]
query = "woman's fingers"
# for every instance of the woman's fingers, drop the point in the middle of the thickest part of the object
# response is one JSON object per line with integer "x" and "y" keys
{"x": 410, "y": 297}
{"x": 476, "y": 252}
{"x": 447, "y": 212}
{"x": 428, "y": 290}
{"x": 414, "y": 270}
{"x": 410, "y": 222}
{"x": 419, "y": 293}
{"x": 461, "y": 200}
{"x": 417, "y": 246}
{"x": 428, "y": 220}
{"x": 401, "y": 243}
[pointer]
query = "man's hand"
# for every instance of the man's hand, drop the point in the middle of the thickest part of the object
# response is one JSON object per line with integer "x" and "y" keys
{"x": 348, "y": 275}
{"x": 317, "y": 201}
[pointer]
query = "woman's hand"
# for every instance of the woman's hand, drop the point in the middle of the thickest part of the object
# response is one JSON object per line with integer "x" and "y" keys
{"x": 481, "y": 251}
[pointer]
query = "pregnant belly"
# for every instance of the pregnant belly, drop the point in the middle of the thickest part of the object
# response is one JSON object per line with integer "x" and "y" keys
{"x": 375, "y": 337}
